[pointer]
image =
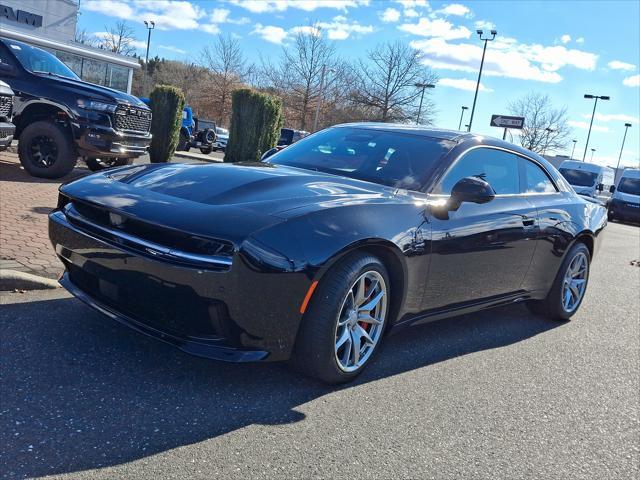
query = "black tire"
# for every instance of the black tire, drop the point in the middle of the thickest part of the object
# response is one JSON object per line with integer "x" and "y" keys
{"x": 314, "y": 353}
{"x": 610, "y": 216}
{"x": 97, "y": 164}
{"x": 206, "y": 151}
{"x": 183, "y": 143}
{"x": 51, "y": 140}
{"x": 552, "y": 306}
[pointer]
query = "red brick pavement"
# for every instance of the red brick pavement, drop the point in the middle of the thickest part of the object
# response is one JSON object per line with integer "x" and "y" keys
{"x": 25, "y": 202}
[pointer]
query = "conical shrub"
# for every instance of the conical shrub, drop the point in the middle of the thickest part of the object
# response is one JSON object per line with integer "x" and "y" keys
{"x": 166, "y": 104}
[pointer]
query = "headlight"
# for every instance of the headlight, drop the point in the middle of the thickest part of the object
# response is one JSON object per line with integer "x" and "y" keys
{"x": 98, "y": 106}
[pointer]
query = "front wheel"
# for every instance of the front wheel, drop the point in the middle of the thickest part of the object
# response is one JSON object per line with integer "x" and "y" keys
{"x": 569, "y": 286}
{"x": 46, "y": 150}
{"x": 343, "y": 326}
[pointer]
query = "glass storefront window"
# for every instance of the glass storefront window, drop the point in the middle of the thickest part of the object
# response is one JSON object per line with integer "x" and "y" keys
{"x": 94, "y": 71}
{"x": 117, "y": 77}
{"x": 74, "y": 62}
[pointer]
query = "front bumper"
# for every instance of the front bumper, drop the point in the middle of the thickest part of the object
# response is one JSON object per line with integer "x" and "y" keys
{"x": 236, "y": 314}
{"x": 6, "y": 134}
{"x": 100, "y": 141}
{"x": 624, "y": 210}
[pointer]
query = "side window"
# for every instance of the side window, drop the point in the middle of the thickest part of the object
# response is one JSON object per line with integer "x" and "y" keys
{"x": 536, "y": 180}
{"x": 4, "y": 56}
{"x": 498, "y": 168}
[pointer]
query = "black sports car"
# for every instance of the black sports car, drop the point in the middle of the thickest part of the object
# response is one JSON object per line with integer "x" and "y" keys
{"x": 316, "y": 253}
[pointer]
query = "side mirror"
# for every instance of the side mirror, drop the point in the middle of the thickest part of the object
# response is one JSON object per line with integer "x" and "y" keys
{"x": 268, "y": 153}
{"x": 600, "y": 187}
{"x": 471, "y": 189}
{"x": 612, "y": 188}
{"x": 6, "y": 69}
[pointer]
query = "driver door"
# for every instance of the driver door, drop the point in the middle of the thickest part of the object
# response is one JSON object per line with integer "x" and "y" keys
{"x": 482, "y": 250}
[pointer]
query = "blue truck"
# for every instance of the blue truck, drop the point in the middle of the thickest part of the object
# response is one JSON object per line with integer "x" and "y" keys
{"x": 194, "y": 132}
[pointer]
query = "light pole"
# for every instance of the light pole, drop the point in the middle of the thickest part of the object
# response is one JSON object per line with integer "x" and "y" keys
{"x": 484, "y": 50}
{"x": 150, "y": 26}
{"x": 315, "y": 118}
{"x": 626, "y": 127}
{"x": 546, "y": 143}
{"x": 462, "y": 115}
{"x": 595, "y": 104}
{"x": 423, "y": 86}
{"x": 592, "y": 152}
{"x": 574, "y": 147}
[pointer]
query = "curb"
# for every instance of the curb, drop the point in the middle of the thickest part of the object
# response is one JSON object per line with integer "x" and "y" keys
{"x": 197, "y": 156}
{"x": 14, "y": 280}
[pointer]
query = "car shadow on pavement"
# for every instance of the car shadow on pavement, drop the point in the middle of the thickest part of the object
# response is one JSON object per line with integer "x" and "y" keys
{"x": 11, "y": 171}
{"x": 82, "y": 392}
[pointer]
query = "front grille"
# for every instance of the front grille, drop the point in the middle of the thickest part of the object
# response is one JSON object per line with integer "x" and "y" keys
{"x": 133, "y": 119}
{"x": 5, "y": 106}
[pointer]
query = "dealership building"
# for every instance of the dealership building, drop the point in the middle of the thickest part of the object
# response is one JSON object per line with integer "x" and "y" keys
{"x": 51, "y": 25}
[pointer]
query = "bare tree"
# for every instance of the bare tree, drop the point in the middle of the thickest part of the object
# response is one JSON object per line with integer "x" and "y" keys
{"x": 545, "y": 127}
{"x": 386, "y": 83}
{"x": 83, "y": 37}
{"x": 119, "y": 39}
{"x": 297, "y": 77}
{"x": 229, "y": 70}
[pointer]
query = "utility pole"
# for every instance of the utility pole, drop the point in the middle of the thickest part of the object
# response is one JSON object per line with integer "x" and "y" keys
{"x": 546, "y": 143}
{"x": 484, "y": 50}
{"x": 150, "y": 26}
{"x": 462, "y": 115}
{"x": 592, "y": 152}
{"x": 626, "y": 127}
{"x": 574, "y": 148}
{"x": 595, "y": 104}
{"x": 423, "y": 86}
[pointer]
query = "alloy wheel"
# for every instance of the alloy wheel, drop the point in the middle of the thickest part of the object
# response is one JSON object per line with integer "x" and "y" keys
{"x": 575, "y": 282}
{"x": 43, "y": 151}
{"x": 361, "y": 321}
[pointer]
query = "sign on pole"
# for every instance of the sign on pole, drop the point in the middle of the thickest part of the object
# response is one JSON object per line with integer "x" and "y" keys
{"x": 506, "y": 121}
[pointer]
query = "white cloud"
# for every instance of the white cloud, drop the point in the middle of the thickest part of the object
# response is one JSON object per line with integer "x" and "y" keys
{"x": 173, "y": 49}
{"x": 341, "y": 29}
{"x": 505, "y": 58}
{"x": 485, "y": 25}
{"x": 307, "y": 30}
{"x": 580, "y": 40}
{"x": 262, "y": 6}
{"x": 169, "y": 14}
{"x": 612, "y": 117}
{"x": 565, "y": 38}
{"x": 585, "y": 126}
{"x": 390, "y": 15}
{"x": 112, "y": 8}
{"x": 462, "y": 84}
{"x": 211, "y": 28}
{"x": 632, "y": 81}
{"x": 270, "y": 33}
{"x": 436, "y": 28}
{"x": 618, "y": 65}
{"x": 411, "y": 13}
{"x": 455, "y": 9}
{"x": 413, "y": 3}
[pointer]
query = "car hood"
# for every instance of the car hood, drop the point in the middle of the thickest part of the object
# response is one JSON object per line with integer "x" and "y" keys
{"x": 91, "y": 90}
{"x": 228, "y": 201}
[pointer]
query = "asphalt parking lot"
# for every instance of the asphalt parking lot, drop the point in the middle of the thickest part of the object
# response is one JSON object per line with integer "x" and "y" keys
{"x": 501, "y": 394}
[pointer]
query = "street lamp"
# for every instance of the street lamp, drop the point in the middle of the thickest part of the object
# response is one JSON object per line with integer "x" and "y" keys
{"x": 546, "y": 143}
{"x": 484, "y": 50}
{"x": 574, "y": 147}
{"x": 322, "y": 75}
{"x": 150, "y": 26}
{"x": 423, "y": 86}
{"x": 462, "y": 115}
{"x": 592, "y": 152}
{"x": 602, "y": 97}
{"x": 626, "y": 127}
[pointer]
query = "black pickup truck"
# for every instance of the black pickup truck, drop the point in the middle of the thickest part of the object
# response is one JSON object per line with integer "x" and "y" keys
{"x": 6, "y": 110}
{"x": 58, "y": 117}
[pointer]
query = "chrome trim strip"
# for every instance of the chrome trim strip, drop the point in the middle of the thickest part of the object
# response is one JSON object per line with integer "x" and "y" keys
{"x": 151, "y": 248}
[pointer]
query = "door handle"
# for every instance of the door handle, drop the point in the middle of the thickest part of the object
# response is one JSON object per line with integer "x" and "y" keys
{"x": 528, "y": 222}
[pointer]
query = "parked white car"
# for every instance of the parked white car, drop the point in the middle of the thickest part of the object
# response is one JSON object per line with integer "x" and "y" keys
{"x": 221, "y": 140}
{"x": 625, "y": 201}
{"x": 588, "y": 179}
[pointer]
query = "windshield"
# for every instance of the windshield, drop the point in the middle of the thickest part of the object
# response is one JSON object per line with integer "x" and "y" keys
{"x": 389, "y": 158}
{"x": 39, "y": 61}
{"x": 629, "y": 185}
{"x": 579, "y": 178}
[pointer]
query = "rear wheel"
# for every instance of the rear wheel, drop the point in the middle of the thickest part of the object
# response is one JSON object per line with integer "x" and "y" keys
{"x": 183, "y": 142}
{"x": 343, "y": 327}
{"x": 569, "y": 286}
{"x": 206, "y": 150}
{"x": 97, "y": 164}
{"x": 46, "y": 150}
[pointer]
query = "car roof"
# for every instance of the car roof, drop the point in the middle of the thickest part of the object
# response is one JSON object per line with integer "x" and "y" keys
{"x": 631, "y": 173}
{"x": 411, "y": 129}
{"x": 587, "y": 167}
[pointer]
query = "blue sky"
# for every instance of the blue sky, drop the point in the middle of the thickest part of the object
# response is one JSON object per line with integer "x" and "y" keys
{"x": 560, "y": 48}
